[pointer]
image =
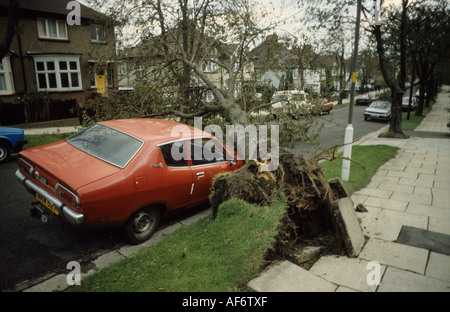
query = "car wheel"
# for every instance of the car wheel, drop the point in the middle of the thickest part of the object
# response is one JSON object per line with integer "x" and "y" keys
{"x": 365, "y": 118}
{"x": 5, "y": 152}
{"x": 142, "y": 224}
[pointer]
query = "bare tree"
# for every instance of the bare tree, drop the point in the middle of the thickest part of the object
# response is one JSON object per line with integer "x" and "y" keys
{"x": 182, "y": 35}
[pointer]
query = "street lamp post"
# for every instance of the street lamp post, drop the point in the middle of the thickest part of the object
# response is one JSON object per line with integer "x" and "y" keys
{"x": 348, "y": 138}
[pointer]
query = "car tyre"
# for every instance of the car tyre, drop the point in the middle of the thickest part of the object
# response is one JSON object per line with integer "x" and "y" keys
{"x": 5, "y": 152}
{"x": 142, "y": 224}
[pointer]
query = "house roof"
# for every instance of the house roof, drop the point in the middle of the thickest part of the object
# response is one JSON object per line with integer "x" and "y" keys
{"x": 58, "y": 7}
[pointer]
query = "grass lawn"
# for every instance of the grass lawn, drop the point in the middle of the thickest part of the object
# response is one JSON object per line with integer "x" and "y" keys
{"x": 372, "y": 157}
{"x": 414, "y": 120}
{"x": 211, "y": 255}
{"x": 41, "y": 139}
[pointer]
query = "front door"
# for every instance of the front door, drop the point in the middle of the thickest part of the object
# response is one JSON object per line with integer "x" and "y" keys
{"x": 100, "y": 79}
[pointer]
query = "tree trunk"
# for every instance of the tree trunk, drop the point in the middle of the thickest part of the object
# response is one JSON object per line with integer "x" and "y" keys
{"x": 395, "y": 126}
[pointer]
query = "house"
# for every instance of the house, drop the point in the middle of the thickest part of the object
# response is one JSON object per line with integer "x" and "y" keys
{"x": 52, "y": 58}
{"x": 275, "y": 66}
{"x": 146, "y": 63}
{"x": 281, "y": 67}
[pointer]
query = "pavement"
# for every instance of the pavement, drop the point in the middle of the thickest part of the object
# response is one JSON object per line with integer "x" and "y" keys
{"x": 406, "y": 227}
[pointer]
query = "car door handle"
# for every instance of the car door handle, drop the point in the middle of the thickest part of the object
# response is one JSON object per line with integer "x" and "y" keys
{"x": 200, "y": 174}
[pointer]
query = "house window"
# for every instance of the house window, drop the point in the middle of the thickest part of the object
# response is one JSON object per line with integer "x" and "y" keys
{"x": 58, "y": 73}
{"x": 52, "y": 29}
{"x": 6, "y": 77}
{"x": 98, "y": 33}
{"x": 209, "y": 67}
{"x": 209, "y": 97}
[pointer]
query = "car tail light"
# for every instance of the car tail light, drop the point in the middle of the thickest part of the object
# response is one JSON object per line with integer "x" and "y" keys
{"x": 25, "y": 166}
{"x": 67, "y": 195}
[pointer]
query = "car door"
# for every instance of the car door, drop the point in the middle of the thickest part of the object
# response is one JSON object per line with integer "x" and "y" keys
{"x": 176, "y": 184}
{"x": 208, "y": 158}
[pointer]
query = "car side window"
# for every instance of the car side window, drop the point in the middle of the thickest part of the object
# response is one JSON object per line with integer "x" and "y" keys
{"x": 206, "y": 151}
{"x": 174, "y": 154}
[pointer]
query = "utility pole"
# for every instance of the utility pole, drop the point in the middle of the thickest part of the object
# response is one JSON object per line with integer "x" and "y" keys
{"x": 348, "y": 139}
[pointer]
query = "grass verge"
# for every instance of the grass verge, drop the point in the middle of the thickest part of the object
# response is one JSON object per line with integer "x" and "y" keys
{"x": 414, "y": 120}
{"x": 42, "y": 139}
{"x": 211, "y": 255}
{"x": 372, "y": 157}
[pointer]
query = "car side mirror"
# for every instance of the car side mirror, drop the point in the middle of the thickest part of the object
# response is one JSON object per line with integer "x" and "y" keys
{"x": 233, "y": 161}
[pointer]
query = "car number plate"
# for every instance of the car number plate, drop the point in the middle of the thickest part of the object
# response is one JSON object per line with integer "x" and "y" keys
{"x": 47, "y": 204}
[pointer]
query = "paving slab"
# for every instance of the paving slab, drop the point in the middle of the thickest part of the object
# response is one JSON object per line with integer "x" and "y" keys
{"x": 56, "y": 283}
{"x": 379, "y": 225}
{"x": 348, "y": 272}
{"x": 349, "y": 226}
{"x": 435, "y": 212}
{"x": 407, "y": 219}
{"x": 394, "y": 254}
{"x": 386, "y": 203}
{"x": 284, "y": 276}
{"x": 412, "y": 198}
{"x": 441, "y": 198}
{"x": 107, "y": 259}
{"x": 397, "y": 280}
{"x": 439, "y": 266}
{"x": 439, "y": 225}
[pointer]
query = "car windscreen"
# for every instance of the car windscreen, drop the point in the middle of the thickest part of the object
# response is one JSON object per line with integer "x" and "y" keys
{"x": 107, "y": 144}
{"x": 380, "y": 105}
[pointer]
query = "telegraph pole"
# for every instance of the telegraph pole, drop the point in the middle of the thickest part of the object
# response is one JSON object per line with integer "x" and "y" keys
{"x": 348, "y": 139}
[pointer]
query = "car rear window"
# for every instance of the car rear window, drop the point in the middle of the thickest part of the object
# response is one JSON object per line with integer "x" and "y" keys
{"x": 107, "y": 144}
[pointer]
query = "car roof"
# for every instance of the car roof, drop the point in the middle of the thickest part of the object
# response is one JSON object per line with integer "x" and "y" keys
{"x": 156, "y": 131}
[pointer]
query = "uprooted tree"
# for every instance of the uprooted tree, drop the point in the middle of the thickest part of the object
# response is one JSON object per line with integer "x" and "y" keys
{"x": 310, "y": 198}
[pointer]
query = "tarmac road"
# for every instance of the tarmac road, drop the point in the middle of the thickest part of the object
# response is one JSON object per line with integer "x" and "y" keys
{"x": 333, "y": 130}
{"x": 31, "y": 248}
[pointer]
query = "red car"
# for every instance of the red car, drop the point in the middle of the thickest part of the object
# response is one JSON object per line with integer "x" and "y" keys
{"x": 124, "y": 172}
{"x": 322, "y": 108}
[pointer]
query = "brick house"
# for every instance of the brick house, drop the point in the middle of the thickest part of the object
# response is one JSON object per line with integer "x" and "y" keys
{"x": 50, "y": 59}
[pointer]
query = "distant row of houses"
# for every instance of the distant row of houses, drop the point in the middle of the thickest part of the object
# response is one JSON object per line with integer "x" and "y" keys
{"x": 78, "y": 62}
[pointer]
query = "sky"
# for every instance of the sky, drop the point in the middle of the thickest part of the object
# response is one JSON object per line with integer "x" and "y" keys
{"x": 289, "y": 12}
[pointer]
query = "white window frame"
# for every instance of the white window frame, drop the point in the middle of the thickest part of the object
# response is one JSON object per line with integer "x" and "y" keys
{"x": 5, "y": 70}
{"x": 209, "y": 67}
{"x": 98, "y": 28}
{"x": 44, "y": 33}
{"x": 58, "y": 71}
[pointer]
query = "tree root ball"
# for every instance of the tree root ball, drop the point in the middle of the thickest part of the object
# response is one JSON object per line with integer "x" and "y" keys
{"x": 308, "y": 194}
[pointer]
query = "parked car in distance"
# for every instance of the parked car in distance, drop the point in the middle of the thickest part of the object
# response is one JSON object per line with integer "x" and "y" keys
{"x": 364, "y": 99}
{"x": 291, "y": 101}
{"x": 12, "y": 141}
{"x": 405, "y": 103}
{"x": 378, "y": 110}
{"x": 323, "y": 108}
{"x": 124, "y": 172}
{"x": 288, "y": 101}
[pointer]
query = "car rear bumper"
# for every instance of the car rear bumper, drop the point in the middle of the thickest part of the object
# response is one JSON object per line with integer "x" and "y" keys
{"x": 71, "y": 216}
{"x": 377, "y": 116}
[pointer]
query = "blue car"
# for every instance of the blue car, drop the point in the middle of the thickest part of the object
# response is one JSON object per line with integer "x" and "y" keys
{"x": 11, "y": 141}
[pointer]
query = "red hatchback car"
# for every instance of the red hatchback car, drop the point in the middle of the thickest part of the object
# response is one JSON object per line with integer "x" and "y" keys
{"x": 124, "y": 172}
